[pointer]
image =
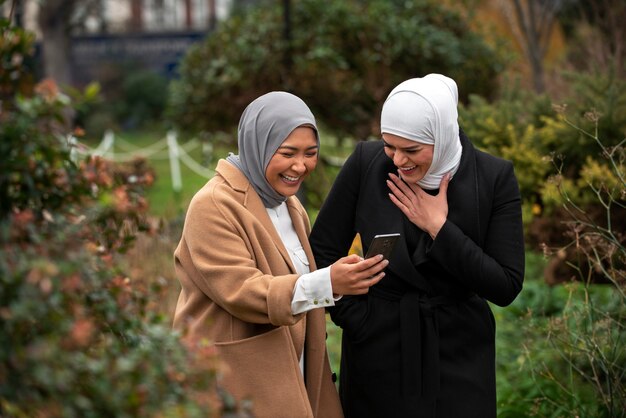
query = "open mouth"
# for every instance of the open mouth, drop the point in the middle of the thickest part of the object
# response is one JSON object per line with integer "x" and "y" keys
{"x": 407, "y": 170}
{"x": 289, "y": 180}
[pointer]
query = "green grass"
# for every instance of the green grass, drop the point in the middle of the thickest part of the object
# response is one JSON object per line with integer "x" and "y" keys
{"x": 164, "y": 201}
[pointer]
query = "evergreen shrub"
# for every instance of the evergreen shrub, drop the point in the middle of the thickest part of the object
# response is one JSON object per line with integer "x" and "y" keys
{"x": 342, "y": 58}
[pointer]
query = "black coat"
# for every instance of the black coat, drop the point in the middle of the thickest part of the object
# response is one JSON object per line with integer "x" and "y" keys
{"x": 421, "y": 343}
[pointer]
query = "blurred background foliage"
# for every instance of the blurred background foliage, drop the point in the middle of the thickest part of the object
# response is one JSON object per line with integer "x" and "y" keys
{"x": 78, "y": 337}
{"x": 342, "y": 58}
{"x": 88, "y": 286}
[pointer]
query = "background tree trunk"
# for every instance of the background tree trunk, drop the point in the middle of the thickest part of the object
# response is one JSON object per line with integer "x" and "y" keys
{"x": 212, "y": 15}
{"x": 54, "y": 22}
{"x": 533, "y": 22}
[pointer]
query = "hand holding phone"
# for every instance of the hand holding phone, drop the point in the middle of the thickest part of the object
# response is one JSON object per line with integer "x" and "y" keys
{"x": 382, "y": 244}
{"x": 353, "y": 275}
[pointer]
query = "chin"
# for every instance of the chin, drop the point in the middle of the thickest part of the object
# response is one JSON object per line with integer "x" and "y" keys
{"x": 412, "y": 179}
{"x": 290, "y": 192}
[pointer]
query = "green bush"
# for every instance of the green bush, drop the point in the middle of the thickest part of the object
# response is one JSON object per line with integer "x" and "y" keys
{"x": 516, "y": 127}
{"x": 144, "y": 98}
{"x": 126, "y": 97}
{"x": 343, "y": 59}
{"x": 574, "y": 358}
{"x": 525, "y": 129}
{"x": 78, "y": 338}
{"x": 16, "y": 47}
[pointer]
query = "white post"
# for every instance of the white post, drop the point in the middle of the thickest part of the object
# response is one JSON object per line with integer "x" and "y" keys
{"x": 107, "y": 145}
{"x": 71, "y": 141}
{"x": 207, "y": 153}
{"x": 177, "y": 183}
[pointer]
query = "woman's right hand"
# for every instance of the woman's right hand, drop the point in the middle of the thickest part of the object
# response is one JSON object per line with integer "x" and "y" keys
{"x": 353, "y": 275}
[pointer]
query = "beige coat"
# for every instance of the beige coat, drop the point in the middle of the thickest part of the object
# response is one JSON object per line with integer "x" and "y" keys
{"x": 237, "y": 284}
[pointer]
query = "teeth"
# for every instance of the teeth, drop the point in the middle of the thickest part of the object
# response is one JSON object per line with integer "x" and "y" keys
{"x": 407, "y": 168}
{"x": 291, "y": 178}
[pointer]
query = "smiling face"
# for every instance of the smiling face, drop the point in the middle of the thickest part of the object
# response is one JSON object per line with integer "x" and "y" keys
{"x": 413, "y": 159}
{"x": 293, "y": 161}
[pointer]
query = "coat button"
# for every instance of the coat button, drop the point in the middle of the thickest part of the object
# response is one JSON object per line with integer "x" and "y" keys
{"x": 315, "y": 302}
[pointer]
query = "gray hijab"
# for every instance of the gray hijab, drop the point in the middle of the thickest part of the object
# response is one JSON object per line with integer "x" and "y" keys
{"x": 263, "y": 127}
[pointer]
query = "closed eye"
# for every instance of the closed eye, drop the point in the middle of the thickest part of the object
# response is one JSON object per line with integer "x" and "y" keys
{"x": 408, "y": 150}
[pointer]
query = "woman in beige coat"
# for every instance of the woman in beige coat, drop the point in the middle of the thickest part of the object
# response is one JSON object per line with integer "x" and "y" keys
{"x": 248, "y": 276}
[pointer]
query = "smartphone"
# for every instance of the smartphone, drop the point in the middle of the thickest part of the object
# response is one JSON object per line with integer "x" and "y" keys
{"x": 382, "y": 244}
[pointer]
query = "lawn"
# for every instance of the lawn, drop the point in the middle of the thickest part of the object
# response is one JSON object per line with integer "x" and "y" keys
{"x": 195, "y": 169}
{"x": 165, "y": 201}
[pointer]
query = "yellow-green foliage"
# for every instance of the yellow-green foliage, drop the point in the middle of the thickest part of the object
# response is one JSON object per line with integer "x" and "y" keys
{"x": 513, "y": 130}
{"x": 527, "y": 130}
{"x": 554, "y": 189}
{"x": 602, "y": 180}
{"x": 530, "y": 163}
{"x": 596, "y": 180}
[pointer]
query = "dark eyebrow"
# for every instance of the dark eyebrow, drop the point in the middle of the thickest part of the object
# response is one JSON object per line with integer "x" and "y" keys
{"x": 411, "y": 148}
{"x": 296, "y": 148}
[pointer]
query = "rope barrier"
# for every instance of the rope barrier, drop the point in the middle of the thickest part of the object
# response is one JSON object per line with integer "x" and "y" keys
{"x": 193, "y": 165}
{"x": 131, "y": 148}
{"x": 165, "y": 148}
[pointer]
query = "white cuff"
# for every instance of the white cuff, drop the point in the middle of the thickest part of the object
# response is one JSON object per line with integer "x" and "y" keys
{"x": 313, "y": 290}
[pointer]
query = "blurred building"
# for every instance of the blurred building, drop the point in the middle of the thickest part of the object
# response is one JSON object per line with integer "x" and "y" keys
{"x": 147, "y": 34}
{"x": 124, "y": 16}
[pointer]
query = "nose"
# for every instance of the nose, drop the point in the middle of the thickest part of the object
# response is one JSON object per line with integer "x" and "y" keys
{"x": 399, "y": 158}
{"x": 298, "y": 165}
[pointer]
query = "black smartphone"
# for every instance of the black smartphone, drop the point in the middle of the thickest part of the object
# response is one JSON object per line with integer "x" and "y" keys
{"x": 382, "y": 244}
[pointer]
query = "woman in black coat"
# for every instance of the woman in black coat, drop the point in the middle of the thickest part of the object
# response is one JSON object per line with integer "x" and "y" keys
{"x": 421, "y": 343}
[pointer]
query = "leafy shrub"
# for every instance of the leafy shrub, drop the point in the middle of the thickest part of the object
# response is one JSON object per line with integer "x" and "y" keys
{"x": 597, "y": 106}
{"x": 144, "y": 98}
{"x": 77, "y": 337}
{"x": 574, "y": 351}
{"x": 16, "y": 47}
{"x": 342, "y": 59}
{"x": 593, "y": 187}
{"x": 523, "y": 128}
{"x": 127, "y": 97}
{"x": 516, "y": 127}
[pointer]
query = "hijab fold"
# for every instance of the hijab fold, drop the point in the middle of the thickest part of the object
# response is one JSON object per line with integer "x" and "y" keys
{"x": 263, "y": 127}
{"x": 424, "y": 110}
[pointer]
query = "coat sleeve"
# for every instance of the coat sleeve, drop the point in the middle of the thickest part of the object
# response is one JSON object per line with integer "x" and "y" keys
{"x": 216, "y": 255}
{"x": 495, "y": 271}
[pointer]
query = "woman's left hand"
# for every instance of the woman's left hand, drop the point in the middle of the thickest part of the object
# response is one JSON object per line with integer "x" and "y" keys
{"x": 428, "y": 212}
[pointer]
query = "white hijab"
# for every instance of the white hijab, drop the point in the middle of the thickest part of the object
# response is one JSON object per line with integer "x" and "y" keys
{"x": 424, "y": 110}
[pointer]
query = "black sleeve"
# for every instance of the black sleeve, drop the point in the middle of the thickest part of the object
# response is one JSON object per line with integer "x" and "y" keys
{"x": 334, "y": 231}
{"x": 496, "y": 271}
{"x": 334, "y": 228}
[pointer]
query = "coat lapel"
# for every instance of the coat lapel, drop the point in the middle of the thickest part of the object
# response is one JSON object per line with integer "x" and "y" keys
{"x": 253, "y": 202}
